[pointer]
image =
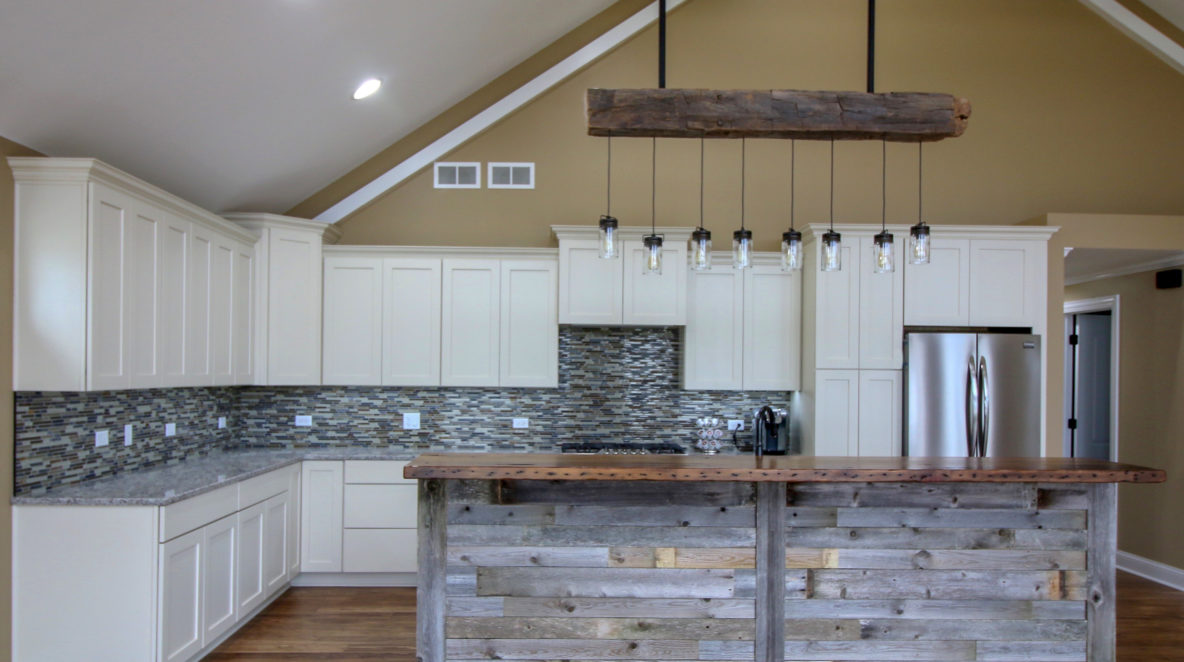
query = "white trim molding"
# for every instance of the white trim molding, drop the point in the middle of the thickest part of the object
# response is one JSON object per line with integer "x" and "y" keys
{"x": 1149, "y": 265}
{"x": 1141, "y": 31}
{"x": 1168, "y": 575}
{"x": 1111, "y": 303}
{"x": 483, "y": 120}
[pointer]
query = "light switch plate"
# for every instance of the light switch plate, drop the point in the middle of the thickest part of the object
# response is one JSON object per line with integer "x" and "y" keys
{"x": 520, "y": 423}
{"x": 221, "y": 422}
{"x": 304, "y": 421}
{"x": 127, "y": 435}
{"x": 411, "y": 420}
{"x": 101, "y": 438}
{"x": 170, "y": 429}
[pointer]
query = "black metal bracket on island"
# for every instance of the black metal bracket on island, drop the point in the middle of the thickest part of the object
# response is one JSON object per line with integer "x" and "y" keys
{"x": 543, "y": 557}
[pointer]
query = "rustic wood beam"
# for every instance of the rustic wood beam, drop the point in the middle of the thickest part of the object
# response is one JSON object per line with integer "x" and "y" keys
{"x": 799, "y": 114}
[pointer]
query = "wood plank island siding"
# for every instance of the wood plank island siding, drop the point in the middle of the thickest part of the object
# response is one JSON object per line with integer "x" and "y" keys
{"x": 608, "y": 568}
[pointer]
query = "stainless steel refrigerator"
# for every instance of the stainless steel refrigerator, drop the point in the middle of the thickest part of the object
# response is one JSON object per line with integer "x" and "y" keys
{"x": 972, "y": 394}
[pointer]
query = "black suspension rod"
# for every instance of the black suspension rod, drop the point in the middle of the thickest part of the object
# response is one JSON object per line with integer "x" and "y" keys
{"x": 661, "y": 44}
{"x": 871, "y": 46}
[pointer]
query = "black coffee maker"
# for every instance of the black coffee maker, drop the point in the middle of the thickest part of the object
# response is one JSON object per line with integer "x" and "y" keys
{"x": 770, "y": 431}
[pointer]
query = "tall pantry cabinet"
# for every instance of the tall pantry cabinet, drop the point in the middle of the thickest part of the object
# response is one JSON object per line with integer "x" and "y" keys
{"x": 121, "y": 285}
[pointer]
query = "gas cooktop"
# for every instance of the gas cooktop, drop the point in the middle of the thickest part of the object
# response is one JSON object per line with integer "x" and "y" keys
{"x": 622, "y": 448}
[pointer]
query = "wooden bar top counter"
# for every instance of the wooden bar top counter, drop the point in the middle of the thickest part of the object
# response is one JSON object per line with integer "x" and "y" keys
{"x": 773, "y": 468}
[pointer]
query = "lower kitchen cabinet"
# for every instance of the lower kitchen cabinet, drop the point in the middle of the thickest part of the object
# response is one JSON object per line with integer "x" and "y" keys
{"x": 219, "y": 607}
{"x": 320, "y": 516}
{"x": 857, "y": 413}
{"x": 180, "y": 591}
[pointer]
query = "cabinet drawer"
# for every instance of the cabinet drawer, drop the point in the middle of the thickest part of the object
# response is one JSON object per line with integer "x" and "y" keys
{"x": 190, "y": 514}
{"x": 375, "y": 471}
{"x": 379, "y": 550}
{"x": 260, "y": 488}
{"x": 380, "y": 506}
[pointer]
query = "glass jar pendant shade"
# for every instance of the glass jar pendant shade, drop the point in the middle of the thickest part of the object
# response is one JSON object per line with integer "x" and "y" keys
{"x": 701, "y": 250}
{"x": 832, "y": 251}
{"x": 791, "y": 250}
{"x": 609, "y": 241}
{"x": 653, "y": 254}
{"x": 742, "y": 249}
{"x": 885, "y": 259}
{"x": 919, "y": 243}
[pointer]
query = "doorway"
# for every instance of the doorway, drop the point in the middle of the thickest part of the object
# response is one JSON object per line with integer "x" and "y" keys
{"x": 1091, "y": 378}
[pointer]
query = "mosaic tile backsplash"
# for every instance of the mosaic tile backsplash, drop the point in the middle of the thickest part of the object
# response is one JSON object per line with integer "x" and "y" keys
{"x": 614, "y": 383}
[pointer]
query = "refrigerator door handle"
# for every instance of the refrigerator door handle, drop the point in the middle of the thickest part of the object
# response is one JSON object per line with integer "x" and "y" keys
{"x": 984, "y": 407}
{"x": 972, "y": 402}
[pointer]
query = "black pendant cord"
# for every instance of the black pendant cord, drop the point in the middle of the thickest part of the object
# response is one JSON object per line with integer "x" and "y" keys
{"x": 701, "y": 143}
{"x": 743, "y": 159}
{"x": 871, "y": 46}
{"x": 654, "y": 188}
{"x": 884, "y": 186}
{"x": 920, "y": 154}
{"x": 662, "y": 44}
{"x": 832, "y": 184}
{"x": 608, "y": 180}
{"x": 793, "y": 198}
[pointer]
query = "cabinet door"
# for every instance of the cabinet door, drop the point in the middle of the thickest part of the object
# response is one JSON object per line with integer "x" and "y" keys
{"x": 713, "y": 355}
{"x": 772, "y": 329}
{"x": 220, "y": 608}
{"x": 222, "y": 310}
{"x": 294, "y": 307}
{"x": 881, "y": 313}
{"x": 880, "y": 402}
{"x": 655, "y": 300}
{"x": 836, "y": 413}
{"x": 590, "y": 289}
{"x": 293, "y": 541}
{"x": 352, "y": 343}
{"x": 1006, "y": 283}
{"x": 529, "y": 353}
{"x": 379, "y": 550}
{"x": 198, "y": 364}
{"x": 937, "y": 294}
{"x": 320, "y": 517}
{"x": 140, "y": 287}
{"x": 411, "y": 322}
{"x": 250, "y": 558}
{"x": 837, "y": 314}
{"x": 275, "y": 543}
{"x": 469, "y": 323}
{"x": 243, "y": 315}
{"x": 107, "y": 337}
{"x": 171, "y": 304}
{"x": 180, "y": 596}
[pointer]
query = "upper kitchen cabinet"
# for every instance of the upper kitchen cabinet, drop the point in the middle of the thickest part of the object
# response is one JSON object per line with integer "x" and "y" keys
{"x": 288, "y": 296}
{"x": 122, "y": 285}
{"x": 743, "y": 327}
{"x": 617, "y": 291}
{"x": 470, "y": 322}
{"x": 980, "y": 276}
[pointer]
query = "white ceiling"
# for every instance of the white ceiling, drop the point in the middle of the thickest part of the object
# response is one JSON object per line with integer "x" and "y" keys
{"x": 1085, "y": 264}
{"x": 1172, "y": 10}
{"x": 246, "y": 105}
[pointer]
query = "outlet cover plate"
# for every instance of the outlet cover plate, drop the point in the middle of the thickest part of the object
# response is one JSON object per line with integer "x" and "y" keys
{"x": 304, "y": 421}
{"x": 221, "y": 422}
{"x": 170, "y": 429}
{"x": 101, "y": 438}
{"x": 520, "y": 423}
{"x": 127, "y": 435}
{"x": 411, "y": 420}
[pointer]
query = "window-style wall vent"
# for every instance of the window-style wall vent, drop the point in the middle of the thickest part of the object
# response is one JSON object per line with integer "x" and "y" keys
{"x": 458, "y": 175}
{"x": 511, "y": 175}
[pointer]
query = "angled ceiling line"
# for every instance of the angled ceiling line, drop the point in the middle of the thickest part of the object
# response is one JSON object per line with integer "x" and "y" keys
{"x": 495, "y": 112}
{"x": 1130, "y": 24}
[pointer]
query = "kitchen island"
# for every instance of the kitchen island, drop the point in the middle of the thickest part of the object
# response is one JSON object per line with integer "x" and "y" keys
{"x": 544, "y": 557}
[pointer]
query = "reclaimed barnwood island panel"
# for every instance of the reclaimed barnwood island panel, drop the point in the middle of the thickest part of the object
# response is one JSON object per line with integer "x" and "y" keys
{"x": 561, "y": 557}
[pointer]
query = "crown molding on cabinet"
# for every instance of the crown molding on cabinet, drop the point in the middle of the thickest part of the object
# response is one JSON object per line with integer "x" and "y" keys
{"x": 491, "y": 252}
{"x": 1005, "y": 232}
{"x": 80, "y": 170}
{"x": 625, "y": 232}
{"x": 255, "y": 222}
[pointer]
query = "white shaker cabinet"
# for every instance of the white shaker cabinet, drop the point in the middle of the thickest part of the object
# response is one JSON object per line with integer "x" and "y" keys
{"x": 470, "y": 323}
{"x": 938, "y": 293}
{"x": 836, "y": 313}
{"x": 222, "y": 311}
{"x": 1004, "y": 282}
{"x": 251, "y": 540}
{"x": 617, "y": 291}
{"x": 836, "y": 413}
{"x": 713, "y": 341}
{"x": 242, "y": 314}
{"x": 881, "y": 397}
{"x": 772, "y": 328}
{"x": 180, "y": 596}
{"x": 353, "y": 347}
{"x": 411, "y": 321}
{"x": 199, "y": 365}
{"x": 320, "y": 516}
{"x": 219, "y": 603}
{"x": 172, "y": 306}
{"x": 108, "y": 330}
{"x": 529, "y": 352}
{"x": 881, "y": 312}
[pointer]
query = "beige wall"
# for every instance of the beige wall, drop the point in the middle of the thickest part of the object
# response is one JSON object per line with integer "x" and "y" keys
{"x": 1068, "y": 114}
{"x": 7, "y": 148}
{"x": 1151, "y": 410}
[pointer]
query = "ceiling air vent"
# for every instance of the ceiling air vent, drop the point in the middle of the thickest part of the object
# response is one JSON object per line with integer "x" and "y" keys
{"x": 458, "y": 175}
{"x": 511, "y": 175}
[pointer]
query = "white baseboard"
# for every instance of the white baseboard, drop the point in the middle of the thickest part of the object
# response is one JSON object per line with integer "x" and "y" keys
{"x": 359, "y": 579}
{"x": 1162, "y": 573}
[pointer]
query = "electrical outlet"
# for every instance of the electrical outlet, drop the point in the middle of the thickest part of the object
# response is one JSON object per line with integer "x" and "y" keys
{"x": 127, "y": 435}
{"x": 304, "y": 421}
{"x": 520, "y": 423}
{"x": 221, "y": 422}
{"x": 101, "y": 438}
{"x": 734, "y": 424}
{"x": 411, "y": 421}
{"x": 170, "y": 429}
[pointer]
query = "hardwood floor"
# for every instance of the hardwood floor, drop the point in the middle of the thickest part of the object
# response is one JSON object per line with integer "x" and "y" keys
{"x": 367, "y": 624}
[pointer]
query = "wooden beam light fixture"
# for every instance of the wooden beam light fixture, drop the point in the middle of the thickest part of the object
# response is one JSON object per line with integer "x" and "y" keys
{"x": 785, "y": 114}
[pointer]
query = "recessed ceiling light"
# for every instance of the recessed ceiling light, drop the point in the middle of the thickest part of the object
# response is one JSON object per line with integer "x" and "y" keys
{"x": 368, "y": 87}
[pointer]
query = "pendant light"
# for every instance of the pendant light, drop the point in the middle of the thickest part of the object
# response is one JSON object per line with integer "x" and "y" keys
{"x": 832, "y": 242}
{"x": 609, "y": 245}
{"x": 882, "y": 241}
{"x": 653, "y": 243}
{"x": 791, "y": 239}
{"x": 701, "y": 237}
{"x": 742, "y": 238}
{"x": 919, "y": 233}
